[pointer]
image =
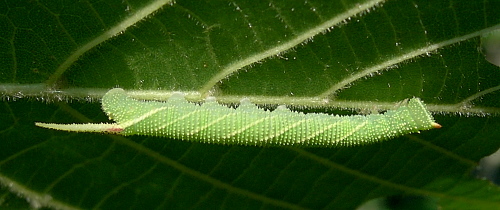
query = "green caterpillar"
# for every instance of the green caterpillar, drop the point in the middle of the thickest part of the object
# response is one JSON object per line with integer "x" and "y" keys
{"x": 250, "y": 125}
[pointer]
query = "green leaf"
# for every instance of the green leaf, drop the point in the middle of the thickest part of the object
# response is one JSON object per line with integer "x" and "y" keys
{"x": 59, "y": 57}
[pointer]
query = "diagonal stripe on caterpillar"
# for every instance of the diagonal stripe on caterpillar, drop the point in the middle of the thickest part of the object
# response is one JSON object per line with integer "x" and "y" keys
{"x": 250, "y": 125}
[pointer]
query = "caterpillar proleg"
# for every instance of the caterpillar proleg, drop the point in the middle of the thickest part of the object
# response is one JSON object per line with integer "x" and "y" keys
{"x": 211, "y": 122}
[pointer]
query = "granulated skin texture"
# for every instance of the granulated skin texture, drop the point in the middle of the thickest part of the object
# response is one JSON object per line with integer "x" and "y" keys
{"x": 250, "y": 125}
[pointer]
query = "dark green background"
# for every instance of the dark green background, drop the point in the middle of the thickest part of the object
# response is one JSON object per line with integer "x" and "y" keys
{"x": 181, "y": 47}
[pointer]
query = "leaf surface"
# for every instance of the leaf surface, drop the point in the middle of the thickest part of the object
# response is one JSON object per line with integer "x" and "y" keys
{"x": 59, "y": 58}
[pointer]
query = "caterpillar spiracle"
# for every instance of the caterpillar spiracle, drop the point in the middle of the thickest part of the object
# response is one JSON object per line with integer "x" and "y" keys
{"x": 211, "y": 122}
